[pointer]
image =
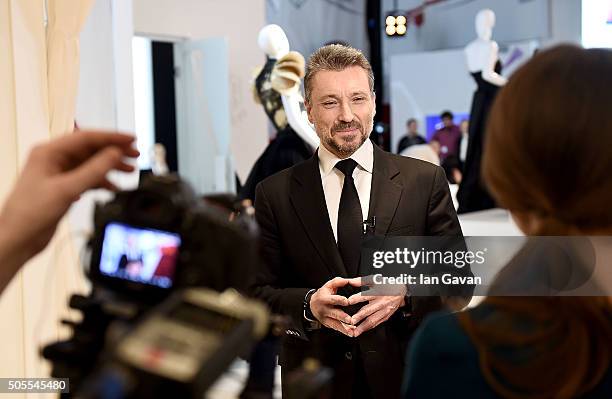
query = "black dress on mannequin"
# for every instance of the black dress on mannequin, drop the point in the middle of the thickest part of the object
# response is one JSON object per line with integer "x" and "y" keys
{"x": 287, "y": 148}
{"x": 473, "y": 195}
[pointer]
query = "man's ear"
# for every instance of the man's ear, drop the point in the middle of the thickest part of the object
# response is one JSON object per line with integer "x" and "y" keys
{"x": 374, "y": 101}
{"x": 308, "y": 112}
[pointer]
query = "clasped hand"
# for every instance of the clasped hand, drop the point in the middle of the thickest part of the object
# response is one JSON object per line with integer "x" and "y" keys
{"x": 326, "y": 305}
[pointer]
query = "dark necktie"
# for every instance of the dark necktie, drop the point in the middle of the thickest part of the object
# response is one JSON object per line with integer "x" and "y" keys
{"x": 350, "y": 220}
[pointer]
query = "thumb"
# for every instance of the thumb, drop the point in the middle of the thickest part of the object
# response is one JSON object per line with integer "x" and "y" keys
{"x": 336, "y": 283}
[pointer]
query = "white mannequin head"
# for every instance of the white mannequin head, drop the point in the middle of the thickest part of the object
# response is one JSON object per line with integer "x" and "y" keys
{"x": 273, "y": 41}
{"x": 485, "y": 21}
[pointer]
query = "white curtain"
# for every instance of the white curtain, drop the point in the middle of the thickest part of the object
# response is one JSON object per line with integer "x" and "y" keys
{"x": 65, "y": 22}
{"x": 38, "y": 76}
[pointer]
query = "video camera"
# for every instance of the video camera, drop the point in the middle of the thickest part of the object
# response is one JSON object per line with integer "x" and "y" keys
{"x": 161, "y": 237}
{"x": 159, "y": 258}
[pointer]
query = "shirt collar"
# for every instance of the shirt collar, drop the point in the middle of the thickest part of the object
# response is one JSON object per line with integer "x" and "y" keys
{"x": 364, "y": 156}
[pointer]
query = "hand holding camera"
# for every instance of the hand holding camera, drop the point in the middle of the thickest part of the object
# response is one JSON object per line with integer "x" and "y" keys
{"x": 57, "y": 172}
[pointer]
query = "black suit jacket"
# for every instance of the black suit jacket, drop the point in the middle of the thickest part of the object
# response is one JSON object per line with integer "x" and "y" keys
{"x": 408, "y": 197}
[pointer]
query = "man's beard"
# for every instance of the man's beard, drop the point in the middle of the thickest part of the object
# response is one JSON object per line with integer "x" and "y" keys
{"x": 346, "y": 146}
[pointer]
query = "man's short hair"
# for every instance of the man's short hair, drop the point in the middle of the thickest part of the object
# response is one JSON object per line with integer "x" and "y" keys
{"x": 446, "y": 114}
{"x": 335, "y": 57}
{"x": 409, "y": 121}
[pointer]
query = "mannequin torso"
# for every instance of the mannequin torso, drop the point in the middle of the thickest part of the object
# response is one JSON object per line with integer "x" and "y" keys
{"x": 273, "y": 41}
{"x": 483, "y": 53}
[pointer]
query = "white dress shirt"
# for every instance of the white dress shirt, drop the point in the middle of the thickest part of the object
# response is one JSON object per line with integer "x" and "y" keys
{"x": 333, "y": 180}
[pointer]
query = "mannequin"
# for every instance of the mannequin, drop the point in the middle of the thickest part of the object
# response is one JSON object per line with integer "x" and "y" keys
{"x": 482, "y": 57}
{"x": 277, "y": 89}
{"x": 274, "y": 43}
{"x": 483, "y": 53}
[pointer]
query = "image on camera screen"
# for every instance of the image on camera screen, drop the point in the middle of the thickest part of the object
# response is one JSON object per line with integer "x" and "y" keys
{"x": 140, "y": 255}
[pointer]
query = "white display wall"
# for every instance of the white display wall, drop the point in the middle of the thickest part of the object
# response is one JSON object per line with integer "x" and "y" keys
{"x": 449, "y": 25}
{"x": 423, "y": 84}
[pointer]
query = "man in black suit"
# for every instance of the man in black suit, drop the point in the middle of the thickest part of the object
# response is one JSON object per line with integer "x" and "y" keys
{"x": 311, "y": 218}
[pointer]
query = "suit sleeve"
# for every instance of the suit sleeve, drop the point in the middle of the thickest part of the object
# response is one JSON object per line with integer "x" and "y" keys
{"x": 441, "y": 215}
{"x": 269, "y": 276}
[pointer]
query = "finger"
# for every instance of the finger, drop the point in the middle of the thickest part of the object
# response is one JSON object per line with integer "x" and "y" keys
{"x": 86, "y": 139}
{"x": 372, "y": 321}
{"x": 349, "y": 331}
{"x": 335, "y": 300}
{"x": 383, "y": 311}
{"x": 359, "y": 298}
{"x": 336, "y": 283}
{"x": 387, "y": 317}
{"x": 125, "y": 167}
{"x": 91, "y": 173}
{"x": 339, "y": 315}
{"x": 391, "y": 290}
{"x": 349, "y": 328}
{"x": 130, "y": 151}
{"x": 338, "y": 326}
{"x": 81, "y": 145}
{"x": 365, "y": 312}
{"x": 373, "y": 292}
{"x": 355, "y": 282}
{"x": 107, "y": 185}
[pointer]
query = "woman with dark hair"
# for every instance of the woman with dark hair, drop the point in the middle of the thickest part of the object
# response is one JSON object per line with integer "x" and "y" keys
{"x": 547, "y": 159}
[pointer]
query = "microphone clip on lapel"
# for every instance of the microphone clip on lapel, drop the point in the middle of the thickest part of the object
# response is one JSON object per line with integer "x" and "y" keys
{"x": 369, "y": 226}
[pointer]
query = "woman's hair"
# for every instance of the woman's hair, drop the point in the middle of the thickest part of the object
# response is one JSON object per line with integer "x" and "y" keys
{"x": 548, "y": 152}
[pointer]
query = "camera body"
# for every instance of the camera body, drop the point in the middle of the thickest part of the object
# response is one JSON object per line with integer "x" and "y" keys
{"x": 151, "y": 245}
{"x": 178, "y": 348}
{"x": 161, "y": 237}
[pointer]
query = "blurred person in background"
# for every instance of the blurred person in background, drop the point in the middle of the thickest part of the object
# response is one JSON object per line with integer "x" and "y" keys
{"x": 447, "y": 136}
{"x": 412, "y": 136}
{"x": 528, "y": 346}
{"x": 452, "y": 168}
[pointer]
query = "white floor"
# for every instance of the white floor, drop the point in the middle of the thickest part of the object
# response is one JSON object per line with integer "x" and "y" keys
{"x": 493, "y": 222}
{"x": 231, "y": 383}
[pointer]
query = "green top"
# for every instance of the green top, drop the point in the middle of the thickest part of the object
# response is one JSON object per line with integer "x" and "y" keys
{"x": 442, "y": 362}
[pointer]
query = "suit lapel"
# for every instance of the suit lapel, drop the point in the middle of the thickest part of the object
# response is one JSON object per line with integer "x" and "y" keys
{"x": 386, "y": 193}
{"x": 307, "y": 197}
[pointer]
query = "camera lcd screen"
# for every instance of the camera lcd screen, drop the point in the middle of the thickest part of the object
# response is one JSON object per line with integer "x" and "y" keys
{"x": 140, "y": 255}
